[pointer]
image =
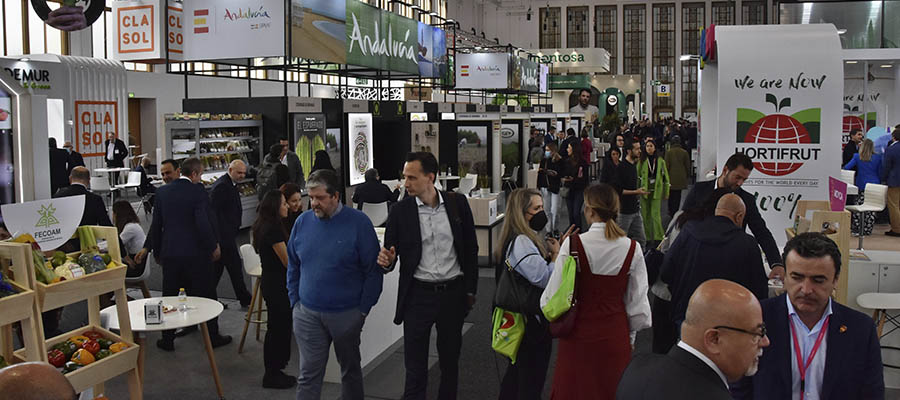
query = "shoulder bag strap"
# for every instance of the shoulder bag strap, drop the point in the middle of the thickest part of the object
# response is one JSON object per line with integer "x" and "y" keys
{"x": 576, "y": 248}
{"x": 626, "y": 266}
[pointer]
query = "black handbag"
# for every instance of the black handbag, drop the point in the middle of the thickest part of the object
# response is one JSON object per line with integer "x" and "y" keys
{"x": 515, "y": 292}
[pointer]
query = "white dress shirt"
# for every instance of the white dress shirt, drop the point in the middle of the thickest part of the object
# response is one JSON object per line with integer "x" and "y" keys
{"x": 111, "y": 150}
{"x": 606, "y": 258}
{"x": 438, "y": 262}
{"x": 807, "y": 339}
{"x": 705, "y": 359}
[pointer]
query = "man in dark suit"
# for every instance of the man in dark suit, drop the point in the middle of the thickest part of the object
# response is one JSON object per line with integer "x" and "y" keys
{"x": 721, "y": 340}
{"x": 183, "y": 236}
{"x": 169, "y": 172}
{"x": 852, "y": 146}
{"x": 433, "y": 232}
{"x": 58, "y": 167}
{"x": 372, "y": 191}
{"x": 116, "y": 151}
{"x": 226, "y": 206}
{"x": 838, "y": 346}
{"x": 75, "y": 158}
{"x": 94, "y": 208}
{"x": 737, "y": 169}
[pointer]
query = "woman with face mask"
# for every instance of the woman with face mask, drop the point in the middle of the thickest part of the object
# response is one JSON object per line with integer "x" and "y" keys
{"x": 548, "y": 184}
{"x": 533, "y": 258}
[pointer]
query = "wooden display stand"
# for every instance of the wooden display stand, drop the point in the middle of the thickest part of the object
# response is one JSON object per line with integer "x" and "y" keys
{"x": 17, "y": 267}
{"x": 822, "y": 215}
{"x": 90, "y": 287}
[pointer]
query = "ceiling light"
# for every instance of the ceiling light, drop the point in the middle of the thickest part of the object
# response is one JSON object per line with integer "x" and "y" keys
{"x": 841, "y": 31}
{"x": 852, "y": 61}
{"x": 886, "y": 65}
{"x": 433, "y": 14}
{"x": 24, "y": 59}
{"x": 416, "y": 7}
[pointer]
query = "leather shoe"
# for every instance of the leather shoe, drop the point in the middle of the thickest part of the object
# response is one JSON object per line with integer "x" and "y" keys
{"x": 220, "y": 340}
{"x": 278, "y": 380}
{"x": 167, "y": 345}
{"x": 892, "y": 233}
{"x": 186, "y": 331}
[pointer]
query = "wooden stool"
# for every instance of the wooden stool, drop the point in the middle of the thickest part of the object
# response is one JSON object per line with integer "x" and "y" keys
{"x": 253, "y": 267}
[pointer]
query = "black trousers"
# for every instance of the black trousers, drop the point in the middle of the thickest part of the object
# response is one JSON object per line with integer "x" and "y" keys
{"x": 231, "y": 261}
{"x": 525, "y": 379}
{"x": 665, "y": 333}
{"x": 444, "y": 307}
{"x": 195, "y": 275}
{"x": 279, "y": 331}
{"x": 674, "y": 201}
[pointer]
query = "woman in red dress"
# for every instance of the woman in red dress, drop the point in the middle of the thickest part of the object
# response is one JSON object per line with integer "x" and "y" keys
{"x": 612, "y": 303}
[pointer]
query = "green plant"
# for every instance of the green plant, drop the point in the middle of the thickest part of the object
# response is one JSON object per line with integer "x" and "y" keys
{"x": 609, "y": 123}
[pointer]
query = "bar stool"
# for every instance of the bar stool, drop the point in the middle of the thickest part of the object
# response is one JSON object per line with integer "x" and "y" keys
{"x": 882, "y": 303}
{"x": 253, "y": 267}
{"x": 876, "y": 200}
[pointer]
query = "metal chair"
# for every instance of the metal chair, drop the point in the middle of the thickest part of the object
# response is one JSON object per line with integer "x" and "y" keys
{"x": 253, "y": 267}
{"x": 377, "y": 212}
{"x": 876, "y": 199}
{"x": 100, "y": 185}
{"x": 140, "y": 282}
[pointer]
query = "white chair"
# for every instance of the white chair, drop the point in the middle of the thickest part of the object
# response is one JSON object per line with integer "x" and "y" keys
{"x": 133, "y": 182}
{"x": 848, "y": 176}
{"x": 876, "y": 197}
{"x": 100, "y": 185}
{"x": 466, "y": 185}
{"x": 253, "y": 267}
{"x": 140, "y": 282}
{"x": 377, "y": 212}
{"x": 881, "y": 303}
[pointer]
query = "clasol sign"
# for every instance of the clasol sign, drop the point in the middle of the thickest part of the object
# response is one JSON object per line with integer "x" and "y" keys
{"x": 95, "y": 120}
{"x": 136, "y": 29}
{"x": 175, "y": 37}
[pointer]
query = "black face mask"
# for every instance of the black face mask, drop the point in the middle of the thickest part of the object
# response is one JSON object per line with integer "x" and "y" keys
{"x": 538, "y": 221}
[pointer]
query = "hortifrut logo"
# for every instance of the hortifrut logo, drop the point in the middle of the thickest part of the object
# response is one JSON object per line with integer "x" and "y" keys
{"x": 779, "y": 143}
{"x": 47, "y": 218}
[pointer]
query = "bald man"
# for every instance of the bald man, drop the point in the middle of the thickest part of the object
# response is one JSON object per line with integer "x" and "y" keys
{"x": 225, "y": 201}
{"x": 715, "y": 247}
{"x": 721, "y": 342}
{"x": 34, "y": 381}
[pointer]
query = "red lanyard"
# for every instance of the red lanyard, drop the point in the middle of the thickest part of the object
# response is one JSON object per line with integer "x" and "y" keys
{"x": 812, "y": 354}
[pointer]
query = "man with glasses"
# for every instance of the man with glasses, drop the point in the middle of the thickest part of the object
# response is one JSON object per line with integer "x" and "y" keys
{"x": 721, "y": 341}
{"x": 716, "y": 247}
{"x": 821, "y": 349}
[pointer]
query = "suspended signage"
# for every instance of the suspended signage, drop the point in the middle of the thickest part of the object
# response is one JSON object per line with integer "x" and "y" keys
{"x": 50, "y": 222}
{"x": 785, "y": 116}
{"x": 353, "y": 32}
{"x": 570, "y": 82}
{"x": 70, "y": 16}
{"x": 524, "y": 75}
{"x": 663, "y": 91}
{"x": 544, "y": 78}
{"x": 137, "y": 30}
{"x": 360, "y": 146}
{"x": 216, "y": 29}
{"x": 572, "y": 60}
{"x": 482, "y": 71}
{"x": 309, "y": 134}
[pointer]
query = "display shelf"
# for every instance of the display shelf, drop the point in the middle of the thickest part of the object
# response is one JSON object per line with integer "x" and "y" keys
{"x": 227, "y": 139}
{"x": 16, "y": 264}
{"x": 222, "y": 153}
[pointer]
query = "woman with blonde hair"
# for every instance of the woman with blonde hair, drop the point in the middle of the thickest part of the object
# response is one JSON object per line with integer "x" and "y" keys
{"x": 533, "y": 258}
{"x": 868, "y": 170}
{"x": 612, "y": 302}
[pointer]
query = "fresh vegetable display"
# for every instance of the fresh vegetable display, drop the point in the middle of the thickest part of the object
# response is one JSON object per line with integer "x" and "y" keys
{"x": 91, "y": 346}
{"x": 92, "y": 335}
{"x": 104, "y": 343}
{"x": 83, "y": 357}
{"x": 56, "y": 358}
{"x": 71, "y": 366}
{"x": 67, "y": 348}
{"x": 103, "y": 353}
{"x": 117, "y": 347}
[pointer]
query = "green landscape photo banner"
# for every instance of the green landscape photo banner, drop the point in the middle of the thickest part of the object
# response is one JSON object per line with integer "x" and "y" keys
{"x": 381, "y": 40}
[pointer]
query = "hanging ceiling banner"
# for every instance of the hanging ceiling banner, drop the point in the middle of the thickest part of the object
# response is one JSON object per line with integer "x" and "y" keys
{"x": 138, "y": 31}
{"x": 785, "y": 116}
{"x": 572, "y": 60}
{"x": 217, "y": 29}
{"x": 482, "y": 71}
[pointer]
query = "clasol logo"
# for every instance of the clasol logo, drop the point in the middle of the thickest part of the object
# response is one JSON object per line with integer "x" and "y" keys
{"x": 96, "y": 119}
{"x": 779, "y": 143}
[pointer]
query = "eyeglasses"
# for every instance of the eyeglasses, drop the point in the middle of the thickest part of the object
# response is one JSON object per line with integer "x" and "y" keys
{"x": 757, "y": 335}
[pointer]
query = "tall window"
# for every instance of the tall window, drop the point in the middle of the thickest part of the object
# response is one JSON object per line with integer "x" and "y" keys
{"x": 577, "y": 27}
{"x": 635, "y": 39}
{"x": 664, "y": 52}
{"x": 753, "y": 12}
{"x": 723, "y": 13}
{"x": 693, "y": 18}
{"x": 605, "y": 32}
{"x": 550, "y": 31}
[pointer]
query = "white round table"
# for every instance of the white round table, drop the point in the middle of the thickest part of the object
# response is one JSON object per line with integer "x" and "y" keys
{"x": 200, "y": 310}
{"x": 444, "y": 179}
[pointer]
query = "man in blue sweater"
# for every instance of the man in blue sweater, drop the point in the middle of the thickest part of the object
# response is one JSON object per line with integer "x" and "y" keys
{"x": 333, "y": 281}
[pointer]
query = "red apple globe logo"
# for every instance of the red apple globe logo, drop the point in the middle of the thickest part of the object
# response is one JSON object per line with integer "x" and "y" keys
{"x": 778, "y": 129}
{"x": 851, "y": 122}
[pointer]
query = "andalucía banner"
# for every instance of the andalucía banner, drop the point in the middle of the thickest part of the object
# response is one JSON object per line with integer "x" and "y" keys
{"x": 781, "y": 105}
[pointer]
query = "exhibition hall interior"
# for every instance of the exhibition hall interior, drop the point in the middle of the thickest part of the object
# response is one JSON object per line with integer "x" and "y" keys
{"x": 449, "y": 199}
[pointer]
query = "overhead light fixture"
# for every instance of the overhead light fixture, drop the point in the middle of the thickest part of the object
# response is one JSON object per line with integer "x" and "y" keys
{"x": 24, "y": 59}
{"x": 886, "y": 65}
{"x": 852, "y": 61}
{"x": 416, "y": 7}
{"x": 841, "y": 31}
{"x": 433, "y": 14}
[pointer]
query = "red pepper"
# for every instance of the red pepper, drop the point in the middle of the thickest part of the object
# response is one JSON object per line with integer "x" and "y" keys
{"x": 56, "y": 358}
{"x": 93, "y": 335}
{"x": 91, "y": 346}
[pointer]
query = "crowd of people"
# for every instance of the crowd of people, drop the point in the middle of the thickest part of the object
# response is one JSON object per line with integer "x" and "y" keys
{"x": 878, "y": 165}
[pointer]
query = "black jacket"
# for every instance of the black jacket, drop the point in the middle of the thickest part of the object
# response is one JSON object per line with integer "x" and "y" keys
{"x": 119, "y": 154}
{"x": 182, "y": 225}
{"x": 75, "y": 160}
{"x": 754, "y": 219}
{"x": 849, "y": 150}
{"x": 403, "y": 232}
{"x": 59, "y": 172}
{"x": 678, "y": 375}
{"x": 608, "y": 173}
{"x": 225, "y": 201}
{"x": 708, "y": 249}
{"x": 372, "y": 192}
{"x": 852, "y": 357}
{"x": 94, "y": 208}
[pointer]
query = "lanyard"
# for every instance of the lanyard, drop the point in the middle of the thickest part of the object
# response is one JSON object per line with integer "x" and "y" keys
{"x": 812, "y": 354}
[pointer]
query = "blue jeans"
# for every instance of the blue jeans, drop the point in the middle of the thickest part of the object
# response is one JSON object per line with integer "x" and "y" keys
{"x": 633, "y": 225}
{"x": 315, "y": 332}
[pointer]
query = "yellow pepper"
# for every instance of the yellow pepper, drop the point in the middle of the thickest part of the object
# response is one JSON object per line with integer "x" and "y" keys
{"x": 82, "y": 357}
{"x": 79, "y": 340}
{"x": 117, "y": 347}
